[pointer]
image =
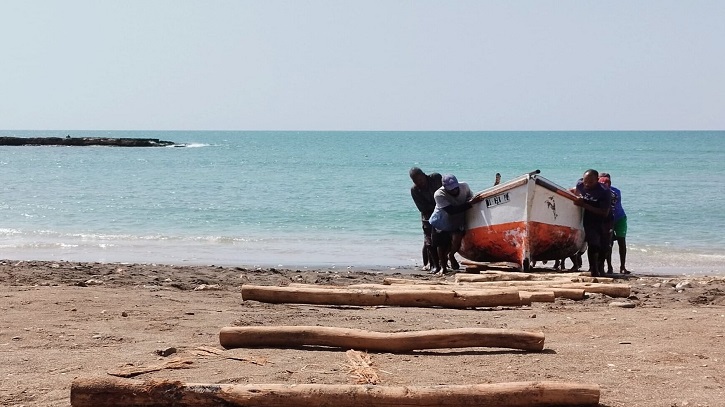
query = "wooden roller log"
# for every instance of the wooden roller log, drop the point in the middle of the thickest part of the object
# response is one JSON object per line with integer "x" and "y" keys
{"x": 372, "y": 297}
{"x": 612, "y": 290}
{"x": 576, "y": 294}
{"x": 570, "y": 293}
{"x": 483, "y": 278}
{"x": 528, "y": 297}
{"x": 406, "y": 281}
{"x": 297, "y": 336}
{"x": 109, "y": 392}
{"x": 421, "y": 287}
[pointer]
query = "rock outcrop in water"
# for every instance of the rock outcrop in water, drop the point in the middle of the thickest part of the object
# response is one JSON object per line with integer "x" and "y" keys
{"x": 84, "y": 141}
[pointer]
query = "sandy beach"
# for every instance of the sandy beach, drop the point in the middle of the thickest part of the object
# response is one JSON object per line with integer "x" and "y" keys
{"x": 67, "y": 320}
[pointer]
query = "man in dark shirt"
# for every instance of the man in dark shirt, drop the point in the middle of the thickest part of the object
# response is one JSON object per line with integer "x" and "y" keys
{"x": 422, "y": 192}
{"x": 596, "y": 201}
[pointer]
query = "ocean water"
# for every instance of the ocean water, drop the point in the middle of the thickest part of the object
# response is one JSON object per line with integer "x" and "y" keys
{"x": 336, "y": 199}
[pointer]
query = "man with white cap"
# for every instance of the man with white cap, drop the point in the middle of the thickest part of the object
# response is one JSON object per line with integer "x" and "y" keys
{"x": 453, "y": 199}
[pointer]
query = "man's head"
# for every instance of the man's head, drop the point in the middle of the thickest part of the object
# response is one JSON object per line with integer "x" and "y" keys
{"x": 418, "y": 176}
{"x": 450, "y": 183}
{"x": 590, "y": 179}
{"x": 604, "y": 179}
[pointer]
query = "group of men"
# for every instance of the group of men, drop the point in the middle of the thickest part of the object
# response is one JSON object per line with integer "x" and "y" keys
{"x": 604, "y": 221}
{"x": 443, "y": 201}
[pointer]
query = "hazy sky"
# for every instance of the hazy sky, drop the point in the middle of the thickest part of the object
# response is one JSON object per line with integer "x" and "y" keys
{"x": 362, "y": 65}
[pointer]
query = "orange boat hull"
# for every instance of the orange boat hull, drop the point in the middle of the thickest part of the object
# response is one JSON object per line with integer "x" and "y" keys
{"x": 506, "y": 242}
{"x": 524, "y": 220}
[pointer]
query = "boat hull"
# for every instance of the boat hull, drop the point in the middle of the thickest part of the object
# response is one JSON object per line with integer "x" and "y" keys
{"x": 524, "y": 220}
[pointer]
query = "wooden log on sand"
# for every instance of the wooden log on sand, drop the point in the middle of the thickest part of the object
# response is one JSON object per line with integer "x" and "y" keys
{"x": 612, "y": 290}
{"x": 571, "y": 278}
{"x": 570, "y": 293}
{"x": 372, "y": 297}
{"x": 298, "y": 336}
{"x": 529, "y": 297}
{"x": 411, "y": 281}
{"x": 108, "y": 392}
{"x": 576, "y": 294}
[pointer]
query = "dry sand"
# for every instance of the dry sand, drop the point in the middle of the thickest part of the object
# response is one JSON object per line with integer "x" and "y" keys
{"x": 60, "y": 321}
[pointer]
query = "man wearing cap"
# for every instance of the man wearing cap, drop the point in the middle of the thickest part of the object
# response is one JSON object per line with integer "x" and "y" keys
{"x": 452, "y": 200}
{"x": 619, "y": 227}
{"x": 424, "y": 186}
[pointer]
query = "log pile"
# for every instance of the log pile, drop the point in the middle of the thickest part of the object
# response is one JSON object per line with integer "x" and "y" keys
{"x": 489, "y": 289}
{"x": 468, "y": 292}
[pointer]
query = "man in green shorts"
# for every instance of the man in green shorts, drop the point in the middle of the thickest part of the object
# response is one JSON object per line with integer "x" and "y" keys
{"x": 620, "y": 226}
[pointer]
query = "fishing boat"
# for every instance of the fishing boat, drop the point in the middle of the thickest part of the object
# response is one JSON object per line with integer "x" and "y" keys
{"x": 524, "y": 220}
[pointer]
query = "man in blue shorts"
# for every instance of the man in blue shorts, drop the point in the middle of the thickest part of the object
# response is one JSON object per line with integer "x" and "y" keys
{"x": 596, "y": 201}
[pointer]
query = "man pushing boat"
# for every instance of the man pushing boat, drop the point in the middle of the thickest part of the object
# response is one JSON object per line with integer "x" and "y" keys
{"x": 596, "y": 201}
{"x": 452, "y": 200}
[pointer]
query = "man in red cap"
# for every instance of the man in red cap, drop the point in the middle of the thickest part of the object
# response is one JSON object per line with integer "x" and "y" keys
{"x": 619, "y": 226}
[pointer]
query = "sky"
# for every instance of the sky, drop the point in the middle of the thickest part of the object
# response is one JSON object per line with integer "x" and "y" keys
{"x": 362, "y": 65}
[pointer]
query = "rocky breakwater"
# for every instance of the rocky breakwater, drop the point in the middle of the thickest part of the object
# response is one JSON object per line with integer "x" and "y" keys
{"x": 84, "y": 141}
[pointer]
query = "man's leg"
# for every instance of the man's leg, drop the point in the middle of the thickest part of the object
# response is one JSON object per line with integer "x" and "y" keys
{"x": 608, "y": 259}
{"x": 426, "y": 245}
{"x": 620, "y": 233}
{"x": 622, "y": 243}
{"x": 440, "y": 242}
{"x": 456, "y": 239}
{"x": 425, "y": 256}
{"x": 576, "y": 261}
{"x": 593, "y": 254}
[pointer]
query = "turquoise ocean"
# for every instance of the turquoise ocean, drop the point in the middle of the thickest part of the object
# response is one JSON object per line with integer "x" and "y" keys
{"x": 336, "y": 199}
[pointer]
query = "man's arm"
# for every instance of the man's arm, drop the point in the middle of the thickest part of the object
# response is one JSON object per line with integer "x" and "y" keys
{"x": 453, "y": 209}
{"x": 597, "y": 210}
{"x": 421, "y": 203}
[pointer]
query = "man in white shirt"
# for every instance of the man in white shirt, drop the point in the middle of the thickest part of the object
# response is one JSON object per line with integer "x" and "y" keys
{"x": 453, "y": 199}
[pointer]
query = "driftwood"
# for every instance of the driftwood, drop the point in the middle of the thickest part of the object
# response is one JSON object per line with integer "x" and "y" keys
{"x": 133, "y": 393}
{"x": 374, "y": 297}
{"x": 131, "y": 371}
{"x": 206, "y": 351}
{"x": 612, "y": 290}
{"x": 570, "y": 293}
{"x": 298, "y": 336}
{"x": 529, "y": 297}
{"x": 496, "y": 276}
{"x": 526, "y": 298}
